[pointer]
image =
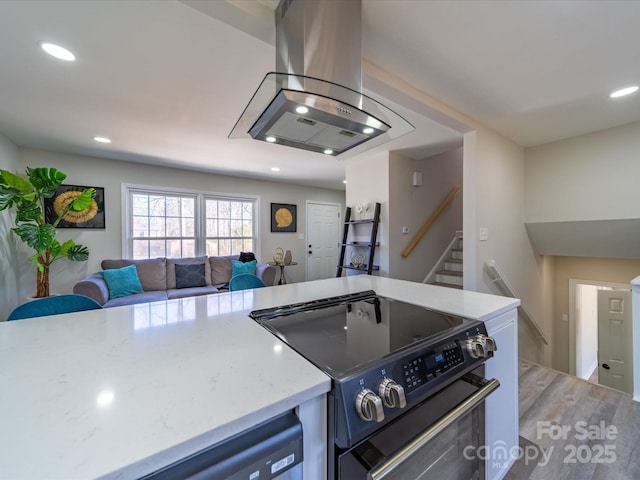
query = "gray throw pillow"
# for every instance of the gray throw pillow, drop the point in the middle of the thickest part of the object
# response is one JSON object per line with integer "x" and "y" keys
{"x": 190, "y": 275}
{"x": 171, "y": 269}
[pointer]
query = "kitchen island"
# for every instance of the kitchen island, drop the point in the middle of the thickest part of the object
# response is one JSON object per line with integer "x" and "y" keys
{"x": 121, "y": 392}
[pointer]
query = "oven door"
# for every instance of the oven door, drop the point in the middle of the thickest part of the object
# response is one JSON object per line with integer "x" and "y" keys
{"x": 437, "y": 439}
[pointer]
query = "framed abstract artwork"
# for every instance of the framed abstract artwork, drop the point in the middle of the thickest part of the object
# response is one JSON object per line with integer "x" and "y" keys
{"x": 92, "y": 217}
{"x": 284, "y": 217}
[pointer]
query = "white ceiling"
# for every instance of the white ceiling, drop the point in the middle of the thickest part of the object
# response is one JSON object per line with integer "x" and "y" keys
{"x": 167, "y": 81}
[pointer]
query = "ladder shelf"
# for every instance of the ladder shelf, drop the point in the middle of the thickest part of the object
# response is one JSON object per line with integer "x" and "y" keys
{"x": 368, "y": 266}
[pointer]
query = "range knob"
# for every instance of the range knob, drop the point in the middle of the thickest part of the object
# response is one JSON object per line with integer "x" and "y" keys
{"x": 392, "y": 394}
{"x": 481, "y": 346}
{"x": 369, "y": 406}
{"x": 489, "y": 342}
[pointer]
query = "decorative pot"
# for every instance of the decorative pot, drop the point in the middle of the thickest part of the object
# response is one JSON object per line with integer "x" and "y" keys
{"x": 278, "y": 256}
{"x": 287, "y": 257}
{"x": 357, "y": 257}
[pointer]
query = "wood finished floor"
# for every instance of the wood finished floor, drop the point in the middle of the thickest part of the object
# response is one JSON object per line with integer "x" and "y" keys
{"x": 552, "y": 399}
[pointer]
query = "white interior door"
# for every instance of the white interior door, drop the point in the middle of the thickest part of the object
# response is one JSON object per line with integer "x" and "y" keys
{"x": 615, "y": 347}
{"x": 323, "y": 234}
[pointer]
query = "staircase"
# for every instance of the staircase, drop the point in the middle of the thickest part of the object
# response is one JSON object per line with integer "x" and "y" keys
{"x": 451, "y": 273}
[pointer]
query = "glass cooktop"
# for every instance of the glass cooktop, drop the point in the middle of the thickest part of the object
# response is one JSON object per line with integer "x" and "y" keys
{"x": 343, "y": 334}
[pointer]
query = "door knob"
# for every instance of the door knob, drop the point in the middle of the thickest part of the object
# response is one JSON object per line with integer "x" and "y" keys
{"x": 605, "y": 366}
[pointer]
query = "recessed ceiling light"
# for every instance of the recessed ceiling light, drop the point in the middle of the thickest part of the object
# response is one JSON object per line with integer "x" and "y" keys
{"x": 275, "y": 169}
{"x": 57, "y": 51}
{"x": 328, "y": 151}
{"x": 270, "y": 139}
{"x": 301, "y": 109}
{"x": 105, "y": 398}
{"x": 102, "y": 139}
{"x": 367, "y": 130}
{"x": 624, "y": 91}
{"x": 344, "y": 181}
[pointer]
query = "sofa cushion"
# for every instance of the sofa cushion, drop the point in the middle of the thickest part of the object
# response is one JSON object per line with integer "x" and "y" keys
{"x": 143, "y": 297}
{"x": 190, "y": 275}
{"x": 171, "y": 269}
{"x": 221, "y": 269}
{"x": 152, "y": 272}
{"x": 239, "y": 268}
{"x": 189, "y": 292}
{"x": 122, "y": 281}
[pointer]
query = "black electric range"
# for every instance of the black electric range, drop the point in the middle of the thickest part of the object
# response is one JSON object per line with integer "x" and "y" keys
{"x": 383, "y": 355}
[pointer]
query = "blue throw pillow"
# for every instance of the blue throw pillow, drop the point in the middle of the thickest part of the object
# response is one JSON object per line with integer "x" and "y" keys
{"x": 238, "y": 268}
{"x": 190, "y": 275}
{"x": 122, "y": 281}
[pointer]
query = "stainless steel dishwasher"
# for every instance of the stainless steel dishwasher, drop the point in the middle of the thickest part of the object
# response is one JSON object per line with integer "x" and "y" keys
{"x": 271, "y": 450}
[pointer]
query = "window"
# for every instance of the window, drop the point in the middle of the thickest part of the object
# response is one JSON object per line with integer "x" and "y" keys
{"x": 186, "y": 224}
{"x": 229, "y": 226}
{"x": 163, "y": 225}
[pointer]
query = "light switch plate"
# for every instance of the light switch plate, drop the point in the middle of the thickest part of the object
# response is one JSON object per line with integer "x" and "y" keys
{"x": 484, "y": 234}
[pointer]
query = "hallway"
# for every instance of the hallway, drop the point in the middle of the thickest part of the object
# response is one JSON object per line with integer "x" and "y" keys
{"x": 573, "y": 429}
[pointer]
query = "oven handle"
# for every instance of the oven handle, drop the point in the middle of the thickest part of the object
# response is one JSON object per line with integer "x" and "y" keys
{"x": 450, "y": 418}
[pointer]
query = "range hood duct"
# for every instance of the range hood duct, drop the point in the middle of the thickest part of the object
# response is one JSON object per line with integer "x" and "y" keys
{"x": 314, "y": 101}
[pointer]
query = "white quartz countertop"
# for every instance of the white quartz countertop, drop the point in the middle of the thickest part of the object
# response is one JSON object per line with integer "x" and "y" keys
{"x": 120, "y": 392}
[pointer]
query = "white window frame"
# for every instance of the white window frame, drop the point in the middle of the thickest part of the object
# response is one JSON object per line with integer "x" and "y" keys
{"x": 201, "y": 197}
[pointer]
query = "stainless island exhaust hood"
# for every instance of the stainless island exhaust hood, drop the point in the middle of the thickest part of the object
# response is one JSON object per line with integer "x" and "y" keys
{"x": 314, "y": 102}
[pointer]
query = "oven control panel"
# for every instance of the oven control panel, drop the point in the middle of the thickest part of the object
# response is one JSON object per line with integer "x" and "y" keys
{"x": 422, "y": 369}
{"x": 372, "y": 397}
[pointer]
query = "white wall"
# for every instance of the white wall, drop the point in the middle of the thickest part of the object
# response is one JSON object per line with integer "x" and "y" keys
{"x": 589, "y": 177}
{"x": 581, "y": 195}
{"x": 10, "y": 290}
{"x": 586, "y": 329}
{"x": 111, "y": 174}
{"x": 367, "y": 178}
{"x": 413, "y": 206}
{"x": 494, "y": 181}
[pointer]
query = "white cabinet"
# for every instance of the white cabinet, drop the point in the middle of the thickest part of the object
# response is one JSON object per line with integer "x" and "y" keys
{"x": 313, "y": 416}
{"x": 502, "y": 428}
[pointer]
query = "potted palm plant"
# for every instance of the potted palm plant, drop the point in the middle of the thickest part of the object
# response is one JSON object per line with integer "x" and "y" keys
{"x": 28, "y": 195}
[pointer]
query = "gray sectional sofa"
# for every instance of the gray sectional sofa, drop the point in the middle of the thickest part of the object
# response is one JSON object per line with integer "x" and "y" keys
{"x": 158, "y": 279}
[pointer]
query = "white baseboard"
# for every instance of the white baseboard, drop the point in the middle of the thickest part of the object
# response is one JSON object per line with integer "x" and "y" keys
{"x": 591, "y": 370}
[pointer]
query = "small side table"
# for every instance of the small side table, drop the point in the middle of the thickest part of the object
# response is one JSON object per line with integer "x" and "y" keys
{"x": 283, "y": 279}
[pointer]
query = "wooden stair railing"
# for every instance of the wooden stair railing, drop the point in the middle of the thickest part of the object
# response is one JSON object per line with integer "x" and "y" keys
{"x": 429, "y": 223}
